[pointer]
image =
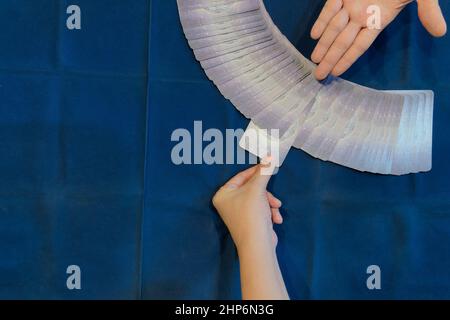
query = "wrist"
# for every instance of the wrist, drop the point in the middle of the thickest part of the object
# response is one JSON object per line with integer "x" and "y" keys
{"x": 263, "y": 245}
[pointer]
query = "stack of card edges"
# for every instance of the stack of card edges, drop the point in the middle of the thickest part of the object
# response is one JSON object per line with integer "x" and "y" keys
{"x": 254, "y": 66}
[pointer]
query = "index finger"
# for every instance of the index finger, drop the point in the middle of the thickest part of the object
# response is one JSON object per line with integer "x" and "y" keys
{"x": 329, "y": 11}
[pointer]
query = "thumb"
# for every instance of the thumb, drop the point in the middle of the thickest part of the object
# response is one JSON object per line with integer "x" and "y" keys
{"x": 262, "y": 176}
{"x": 430, "y": 14}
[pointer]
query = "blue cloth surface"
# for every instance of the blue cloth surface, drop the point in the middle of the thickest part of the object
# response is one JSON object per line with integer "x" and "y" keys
{"x": 86, "y": 176}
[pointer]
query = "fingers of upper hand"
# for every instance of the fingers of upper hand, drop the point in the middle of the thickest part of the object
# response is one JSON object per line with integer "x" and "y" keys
{"x": 331, "y": 8}
{"x": 432, "y": 18}
{"x": 343, "y": 37}
{"x": 335, "y": 27}
{"x": 362, "y": 42}
{"x": 340, "y": 46}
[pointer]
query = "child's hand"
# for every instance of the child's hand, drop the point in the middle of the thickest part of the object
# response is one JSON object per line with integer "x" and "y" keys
{"x": 342, "y": 28}
{"x": 248, "y": 210}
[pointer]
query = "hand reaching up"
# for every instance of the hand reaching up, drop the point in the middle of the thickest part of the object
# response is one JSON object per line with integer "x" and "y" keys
{"x": 344, "y": 35}
{"x": 248, "y": 209}
{"x": 249, "y": 212}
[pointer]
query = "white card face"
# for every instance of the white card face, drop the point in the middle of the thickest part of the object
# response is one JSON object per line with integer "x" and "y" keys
{"x": 256, "y": 67}
{"x": 263, "y": 143}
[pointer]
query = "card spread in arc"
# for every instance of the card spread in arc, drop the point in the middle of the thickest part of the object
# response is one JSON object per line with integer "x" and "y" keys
{"x": 254, "y": 66}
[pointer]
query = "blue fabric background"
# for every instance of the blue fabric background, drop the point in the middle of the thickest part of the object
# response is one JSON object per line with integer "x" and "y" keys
{"x": 86, "y": 176}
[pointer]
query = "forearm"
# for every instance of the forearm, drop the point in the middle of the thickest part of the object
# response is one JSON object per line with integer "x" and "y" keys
{"x": 261, "y": 277}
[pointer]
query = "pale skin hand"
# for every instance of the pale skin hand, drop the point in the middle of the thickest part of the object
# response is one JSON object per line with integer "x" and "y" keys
{"x": 344, "y": 37}
{"x": 249, "y": 211}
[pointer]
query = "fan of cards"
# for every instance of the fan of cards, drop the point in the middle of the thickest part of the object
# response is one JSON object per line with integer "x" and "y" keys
{"x": 270, "y": 82}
